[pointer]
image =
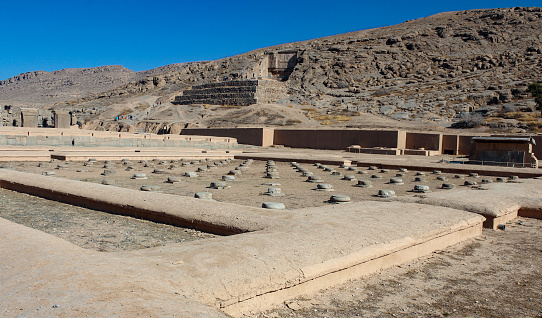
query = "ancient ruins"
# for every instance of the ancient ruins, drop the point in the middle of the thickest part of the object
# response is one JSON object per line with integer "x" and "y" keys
{"x": 238, "y": 92}
{"x": 262, "y": 205}
{"x": 297, "y": 180}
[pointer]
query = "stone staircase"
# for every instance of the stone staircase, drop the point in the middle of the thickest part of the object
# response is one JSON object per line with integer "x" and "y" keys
{"x": 237, "y": 92}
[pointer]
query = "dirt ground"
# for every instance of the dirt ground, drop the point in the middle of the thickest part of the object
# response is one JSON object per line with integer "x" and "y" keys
{"x": 498, "y": 274}
{"x": 90, "y": 229}
{"x": 248, "y": 188}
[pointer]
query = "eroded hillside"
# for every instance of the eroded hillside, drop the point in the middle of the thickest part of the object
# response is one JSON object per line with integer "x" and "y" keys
{"x": 429, "y": 69}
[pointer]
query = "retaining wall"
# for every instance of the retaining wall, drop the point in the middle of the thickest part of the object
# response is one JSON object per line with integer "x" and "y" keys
{"x": 241, "y": 93}
{"x": 337, "y": 139}
{"x": 248, "y": 136}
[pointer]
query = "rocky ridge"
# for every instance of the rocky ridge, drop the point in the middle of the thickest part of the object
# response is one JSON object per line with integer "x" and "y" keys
{"x": 429, "y": 69}
{"x": 43, "y": 89}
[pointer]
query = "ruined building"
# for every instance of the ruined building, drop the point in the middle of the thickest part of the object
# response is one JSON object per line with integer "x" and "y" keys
{"x": 32, "y": 117}
{"x": 263, "y": 85}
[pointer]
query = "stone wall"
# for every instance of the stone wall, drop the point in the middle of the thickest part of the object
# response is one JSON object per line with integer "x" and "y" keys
{"x": 86, "y": 138}
{"x": 28, "y": 117}
{"x": 239, "y": 92}
{"x": 248, "y": 136}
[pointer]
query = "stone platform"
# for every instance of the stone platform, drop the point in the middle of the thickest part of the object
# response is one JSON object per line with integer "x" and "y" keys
{"x": 238, "y": 92}
{"x": 41, "y": 153}
{"x": 20, "y": 136}
{"x": 264, "y": 256}
{"x": 277, "y": 256}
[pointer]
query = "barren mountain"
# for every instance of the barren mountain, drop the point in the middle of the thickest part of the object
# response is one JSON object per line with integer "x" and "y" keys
{"x": 43, "y": 89}
{"x": 430, "y": 69}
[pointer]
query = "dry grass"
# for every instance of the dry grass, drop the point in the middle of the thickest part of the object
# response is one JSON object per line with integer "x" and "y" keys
{"x": 291, "y": 122}
{"x": 309, "y": 109}
{"x": 142, "y": 106}
{"x": 327, "y": 122}
{"x": 493, "y": 119}
{"x": 521, "y": 116}
{"x": 126, "y": 111}
{"x": 330, "y": 119}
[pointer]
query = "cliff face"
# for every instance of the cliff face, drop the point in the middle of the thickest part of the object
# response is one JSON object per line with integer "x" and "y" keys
{"x": 431, "y": 68}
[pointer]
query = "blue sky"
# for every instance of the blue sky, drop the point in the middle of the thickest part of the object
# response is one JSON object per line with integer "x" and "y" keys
{"x": 56, "y": 34}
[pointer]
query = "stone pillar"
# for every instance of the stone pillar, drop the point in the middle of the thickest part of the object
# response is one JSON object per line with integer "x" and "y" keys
{"x": 62, "y": 119}
{"x": 29, "y": 117}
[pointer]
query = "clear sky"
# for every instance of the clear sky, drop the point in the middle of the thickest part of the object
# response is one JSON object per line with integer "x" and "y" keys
{"x": 55, "y": 34}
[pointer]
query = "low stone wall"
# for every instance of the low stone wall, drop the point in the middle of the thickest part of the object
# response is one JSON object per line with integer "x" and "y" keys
{"x": 87, "y": 138}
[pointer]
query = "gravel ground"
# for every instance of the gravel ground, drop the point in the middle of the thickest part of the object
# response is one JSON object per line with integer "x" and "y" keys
{"x": 88, "y": 228}
{"x": 248, "y": 188}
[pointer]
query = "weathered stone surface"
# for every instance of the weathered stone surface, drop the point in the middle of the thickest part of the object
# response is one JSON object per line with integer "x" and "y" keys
{"x": 339, "y": 198}
{"x": 448, "y": 186}
{"x": 149, "y": 188}
{"x": 191, "y": 174}
{"x": 364, "y": 184}
{"x": 324, "y": 187}
{"x": 274, "y": 192}
{"x": 273, "y": 205}
{"x": 203, "y": 195}
{"x": 386, "y": 193}
{"x": 173, "y": 179}
{"x": 421, "y": 188}
{"x": 219, "y": 185}
{"x": 108, "y": 172}
{"x": 240, "y": 92}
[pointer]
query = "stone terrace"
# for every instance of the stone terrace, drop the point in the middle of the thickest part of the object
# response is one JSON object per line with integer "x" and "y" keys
{"x": 240, "y": 93}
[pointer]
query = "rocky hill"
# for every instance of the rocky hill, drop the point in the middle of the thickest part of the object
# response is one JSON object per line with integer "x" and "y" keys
{"x": 43, "y": 89}
{"x": 429, "y": 69}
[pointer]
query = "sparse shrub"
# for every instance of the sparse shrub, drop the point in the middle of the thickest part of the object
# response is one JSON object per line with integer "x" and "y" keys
{"x": 332, "y": 118}
{"x": 291, "y": 122}
{"x": 536, "y": 91}
{"x": 126, "y": 111}
{"x": 469, "y": 120}
{"x": 382, "y": 92}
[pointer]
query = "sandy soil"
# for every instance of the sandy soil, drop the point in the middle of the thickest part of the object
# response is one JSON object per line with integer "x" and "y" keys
{"x": 90, "y": 229}
{"x": 249, "y": 188}
{"x": 496, "y": 275}
{"x": 272, "y": 115}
